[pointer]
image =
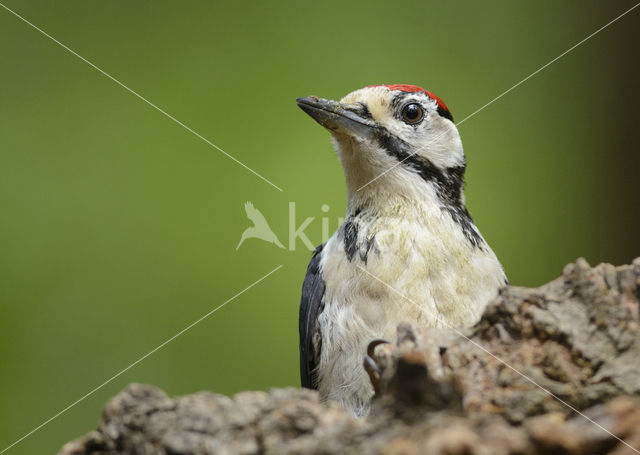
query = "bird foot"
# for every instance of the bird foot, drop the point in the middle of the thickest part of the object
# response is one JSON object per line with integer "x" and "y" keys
{"x": 370, "y": 365}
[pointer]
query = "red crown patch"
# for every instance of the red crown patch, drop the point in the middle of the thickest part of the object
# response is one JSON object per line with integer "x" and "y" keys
{"x": 415, "y": 89}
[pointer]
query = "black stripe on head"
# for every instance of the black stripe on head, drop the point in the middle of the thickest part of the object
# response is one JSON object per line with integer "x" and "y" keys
{"x": 447, "y": 182}
{"x": 363, "y": 111}
{"x": 445, "y": 113}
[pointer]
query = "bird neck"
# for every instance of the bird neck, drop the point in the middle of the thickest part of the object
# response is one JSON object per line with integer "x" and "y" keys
{"x": 429, "y": 209}
{"x": 416, "y": 201}
{"x": 382, "y": 181}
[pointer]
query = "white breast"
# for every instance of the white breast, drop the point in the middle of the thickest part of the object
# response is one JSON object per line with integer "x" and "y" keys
{"x": 421, "y": 269}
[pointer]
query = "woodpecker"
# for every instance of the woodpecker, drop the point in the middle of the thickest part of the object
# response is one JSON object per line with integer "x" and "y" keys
{"x": 408, "y": 250}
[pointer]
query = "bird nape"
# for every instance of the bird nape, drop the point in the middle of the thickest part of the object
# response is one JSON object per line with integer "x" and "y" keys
{"x": 408, "y": 250}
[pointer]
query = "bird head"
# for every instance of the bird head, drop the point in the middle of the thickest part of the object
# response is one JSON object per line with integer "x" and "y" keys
{"x": 393, "y": 139}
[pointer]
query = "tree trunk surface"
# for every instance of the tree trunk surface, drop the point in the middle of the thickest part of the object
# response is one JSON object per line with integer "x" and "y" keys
{"x": 551, "y": 370}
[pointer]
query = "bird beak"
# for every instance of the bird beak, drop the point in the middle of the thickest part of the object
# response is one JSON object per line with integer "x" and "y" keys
{"x": 337, "y": 117}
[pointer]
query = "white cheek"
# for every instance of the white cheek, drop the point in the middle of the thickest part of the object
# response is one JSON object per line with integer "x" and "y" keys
{"x": 441, "y": 144}
{"x": 437, "y": 140}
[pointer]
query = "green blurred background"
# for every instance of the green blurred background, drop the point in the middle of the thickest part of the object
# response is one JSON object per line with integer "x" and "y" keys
{"x": 118, "y": 228}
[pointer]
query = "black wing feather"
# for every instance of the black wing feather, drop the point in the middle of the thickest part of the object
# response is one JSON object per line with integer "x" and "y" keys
{"x": 311, "y": 306}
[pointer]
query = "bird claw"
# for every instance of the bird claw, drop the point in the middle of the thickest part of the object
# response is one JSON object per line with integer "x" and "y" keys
{"x": 370, "y": 365}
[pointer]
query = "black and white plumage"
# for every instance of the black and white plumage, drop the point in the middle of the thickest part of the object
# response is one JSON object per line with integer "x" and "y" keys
{"x": 407, "y": 229}
{"x": 310, "y": 308}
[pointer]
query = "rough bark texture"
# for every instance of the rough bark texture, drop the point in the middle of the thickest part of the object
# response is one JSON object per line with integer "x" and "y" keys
{"x": 476, "y": 391}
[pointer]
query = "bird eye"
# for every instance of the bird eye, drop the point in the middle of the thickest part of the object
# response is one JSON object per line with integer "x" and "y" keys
{"x": 412, "y": 113}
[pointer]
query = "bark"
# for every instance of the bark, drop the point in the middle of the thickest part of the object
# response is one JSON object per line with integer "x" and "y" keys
{"x": 475, "y": 391}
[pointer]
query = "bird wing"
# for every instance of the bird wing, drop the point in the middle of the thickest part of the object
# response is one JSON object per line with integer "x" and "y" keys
{"x": 311, "y": 305}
